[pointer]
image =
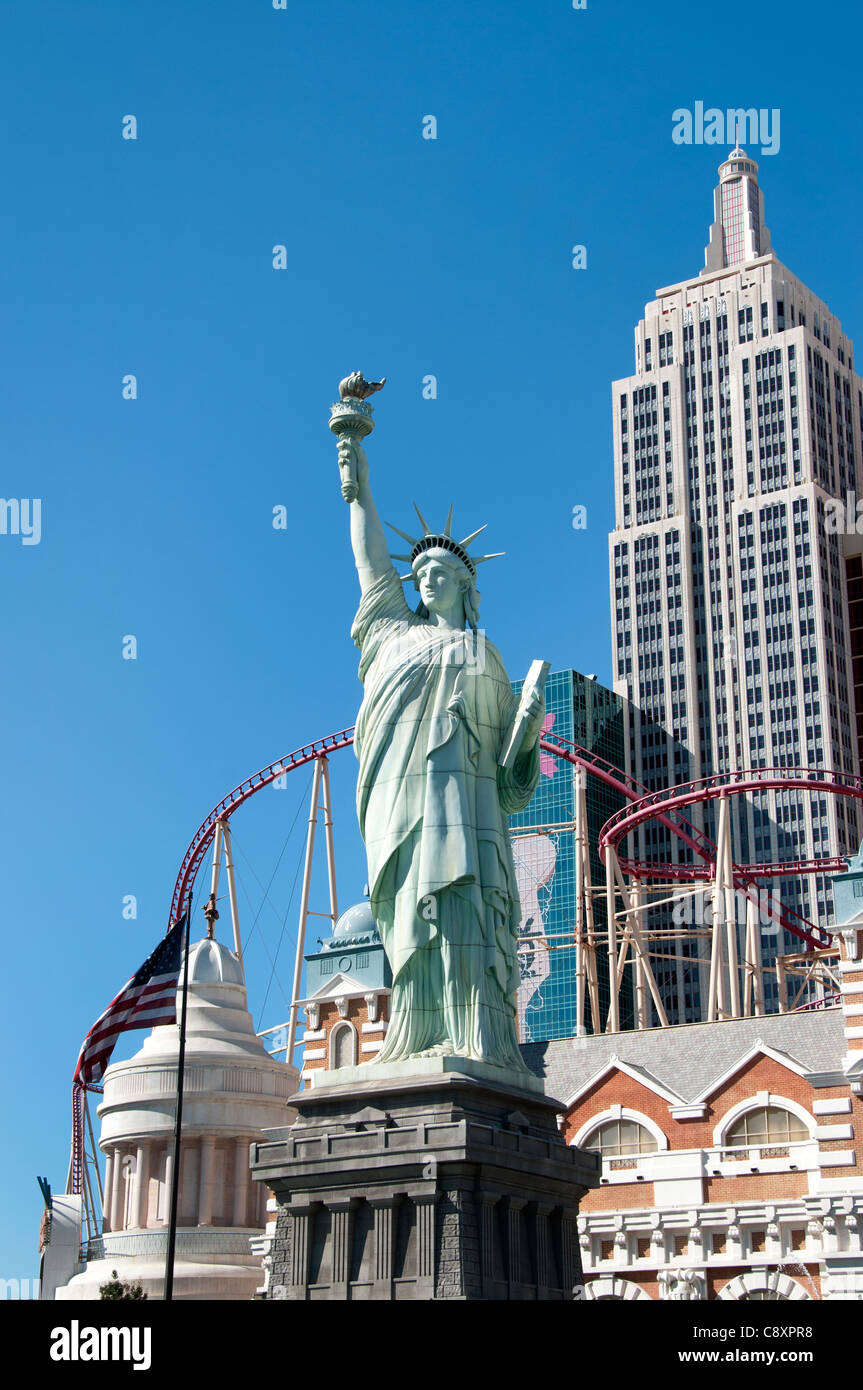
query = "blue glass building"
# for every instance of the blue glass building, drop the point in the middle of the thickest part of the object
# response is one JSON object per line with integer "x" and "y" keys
{"x": 587, "y": 714}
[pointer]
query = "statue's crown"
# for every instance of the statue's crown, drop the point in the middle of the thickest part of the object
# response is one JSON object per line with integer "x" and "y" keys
{"x": 440, "y": 540}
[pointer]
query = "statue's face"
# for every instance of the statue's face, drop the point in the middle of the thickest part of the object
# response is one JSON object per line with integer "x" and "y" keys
{"x": 441, "y": 588}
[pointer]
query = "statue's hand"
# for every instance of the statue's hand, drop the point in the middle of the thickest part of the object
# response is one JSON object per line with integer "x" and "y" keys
{"x": 353, "y": 466}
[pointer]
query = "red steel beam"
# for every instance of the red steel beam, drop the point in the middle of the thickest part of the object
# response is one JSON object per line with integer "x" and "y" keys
{"x": 642, "y": 803}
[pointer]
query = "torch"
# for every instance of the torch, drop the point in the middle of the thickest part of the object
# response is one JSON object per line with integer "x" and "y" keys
{"x": 351, "y": 419}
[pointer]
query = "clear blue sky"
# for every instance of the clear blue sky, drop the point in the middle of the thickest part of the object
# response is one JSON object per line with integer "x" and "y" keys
{"x": 406, "y": 257}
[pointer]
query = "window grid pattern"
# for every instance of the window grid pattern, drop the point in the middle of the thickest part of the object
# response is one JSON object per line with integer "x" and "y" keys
{"x": 619, "y": 1138}
{"x": 768, "y": 1125}
{"x": 591, "y": 716}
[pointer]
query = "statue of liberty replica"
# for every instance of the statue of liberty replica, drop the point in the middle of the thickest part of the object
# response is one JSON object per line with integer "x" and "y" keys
{"x": 446, "y": 751}
{"x": 437, "y": 1171}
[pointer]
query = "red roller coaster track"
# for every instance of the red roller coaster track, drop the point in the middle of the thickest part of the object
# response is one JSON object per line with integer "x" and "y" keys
{"x": 224, "y": 809}
{"x": 749, "y": 780}
{"x": 643, "y": 805}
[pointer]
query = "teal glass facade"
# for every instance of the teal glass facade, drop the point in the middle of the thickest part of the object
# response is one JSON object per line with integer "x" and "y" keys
{"x": 589, "y": 715}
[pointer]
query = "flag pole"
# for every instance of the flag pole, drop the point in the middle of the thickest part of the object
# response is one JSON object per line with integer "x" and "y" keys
{"x": 175, "y": 1167}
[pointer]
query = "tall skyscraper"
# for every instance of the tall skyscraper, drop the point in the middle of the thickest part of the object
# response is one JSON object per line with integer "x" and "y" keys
{"x": 729, "y": 594}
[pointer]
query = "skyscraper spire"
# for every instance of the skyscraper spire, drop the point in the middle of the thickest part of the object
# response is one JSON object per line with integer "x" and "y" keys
{"x": 738, "y": 233}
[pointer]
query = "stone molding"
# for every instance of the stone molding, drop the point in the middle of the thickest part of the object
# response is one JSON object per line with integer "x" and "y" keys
{"x": 763, "y": 1281}
{"x": 148, "y": 1081}
{"x": 217, "y": 1241}
{"x": 832, "y": 1223}
{"x": 615, "y": 1287}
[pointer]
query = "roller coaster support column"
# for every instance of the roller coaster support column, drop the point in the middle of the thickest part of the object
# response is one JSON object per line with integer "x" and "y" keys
{"x": 328, "y": 837}
{"x": 730, "y": 913}
{"x": 304, "y": 910}
{"x": 640, "y": 998}
{"x": 580, "y": 971}
{"x": 592, "y": 977}
{"x": 320, "y": 778}
{"x": 628, "y": 914}
{"x": 634, "y": 934}
{"x": 716, "y": 988}
{"x": 232, "y": 892}
{"x": 211, "y": 912}
{"x": 222, "y": 842}
{"x": 585, "y": 937}
{"x": 753, "y": 982}
{"x": 613, "y": 1022}
{"x": 781, "y": 986}
{"x": 94, "y": 1200}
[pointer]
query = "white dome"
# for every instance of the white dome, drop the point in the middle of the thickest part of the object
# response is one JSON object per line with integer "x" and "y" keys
{"x": 356, "y": 919}
{"x": 213, "y": 964}
{"x": 232, "y": 1084}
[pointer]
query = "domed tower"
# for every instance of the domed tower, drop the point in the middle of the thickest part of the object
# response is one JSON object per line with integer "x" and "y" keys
{"x": 348, "y": 980}
{"x": 233, "y": 1091}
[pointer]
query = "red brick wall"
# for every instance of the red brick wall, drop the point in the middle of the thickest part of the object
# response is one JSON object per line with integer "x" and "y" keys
{"x": 756, "y": 1187}
{"x": 617, "y": 1196}
{"x": 358, "y": 1014}
{"x": 716, "y": 1279}
{"x": 760, "y": 1074}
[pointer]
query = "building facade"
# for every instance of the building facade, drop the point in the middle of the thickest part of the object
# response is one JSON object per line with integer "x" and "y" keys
{"x": 730, "y": 608}
{"x": 348, "y": 984}
{"x": 732, "y": 1152}
{"x": 730, "y": 1159}
{"x": 584, "y": 712}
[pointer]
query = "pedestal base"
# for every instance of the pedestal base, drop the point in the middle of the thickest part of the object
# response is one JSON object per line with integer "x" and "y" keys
{"x": 441, "y": 1186}
{"x": 419, "y": 1069}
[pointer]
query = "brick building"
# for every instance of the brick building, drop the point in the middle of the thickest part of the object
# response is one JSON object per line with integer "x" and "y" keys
{"x": 732, "y": 1152}
{"x": 729, "y": 1158}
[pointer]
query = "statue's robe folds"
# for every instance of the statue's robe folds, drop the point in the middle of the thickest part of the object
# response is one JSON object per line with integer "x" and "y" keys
{"x": 432, "y": 804}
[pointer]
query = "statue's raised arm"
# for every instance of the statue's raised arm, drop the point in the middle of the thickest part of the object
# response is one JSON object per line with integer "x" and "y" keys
{"x": 371, "y": 553}
{"x": 351, "y": 420}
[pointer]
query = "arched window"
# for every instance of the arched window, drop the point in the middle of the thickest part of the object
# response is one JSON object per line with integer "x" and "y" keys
{"x": 759, "y": 1286}
{"x": 617, "y": 1138}
{"x": 613, "y": 1289}
{"x": 343, "y": 1046}
{"x": 766, "y": 1125}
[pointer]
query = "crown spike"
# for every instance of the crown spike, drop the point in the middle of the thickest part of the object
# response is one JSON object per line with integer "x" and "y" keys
{"x": 403, "y": 578}
{"x": 478, "y": 559}
{"x": 473, "y": 535}
{"x": 447, "y": 530}
{"x": 406, "y": 558}
{"x": 423, "y": 523}
{"x": 411, "y": 540}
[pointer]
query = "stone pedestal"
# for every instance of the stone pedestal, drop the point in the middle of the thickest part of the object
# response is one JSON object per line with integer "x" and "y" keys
{"x": 442, "y": 1185}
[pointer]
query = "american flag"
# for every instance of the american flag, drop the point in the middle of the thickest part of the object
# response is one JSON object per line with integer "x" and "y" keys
{"x": 149, "y": 998}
